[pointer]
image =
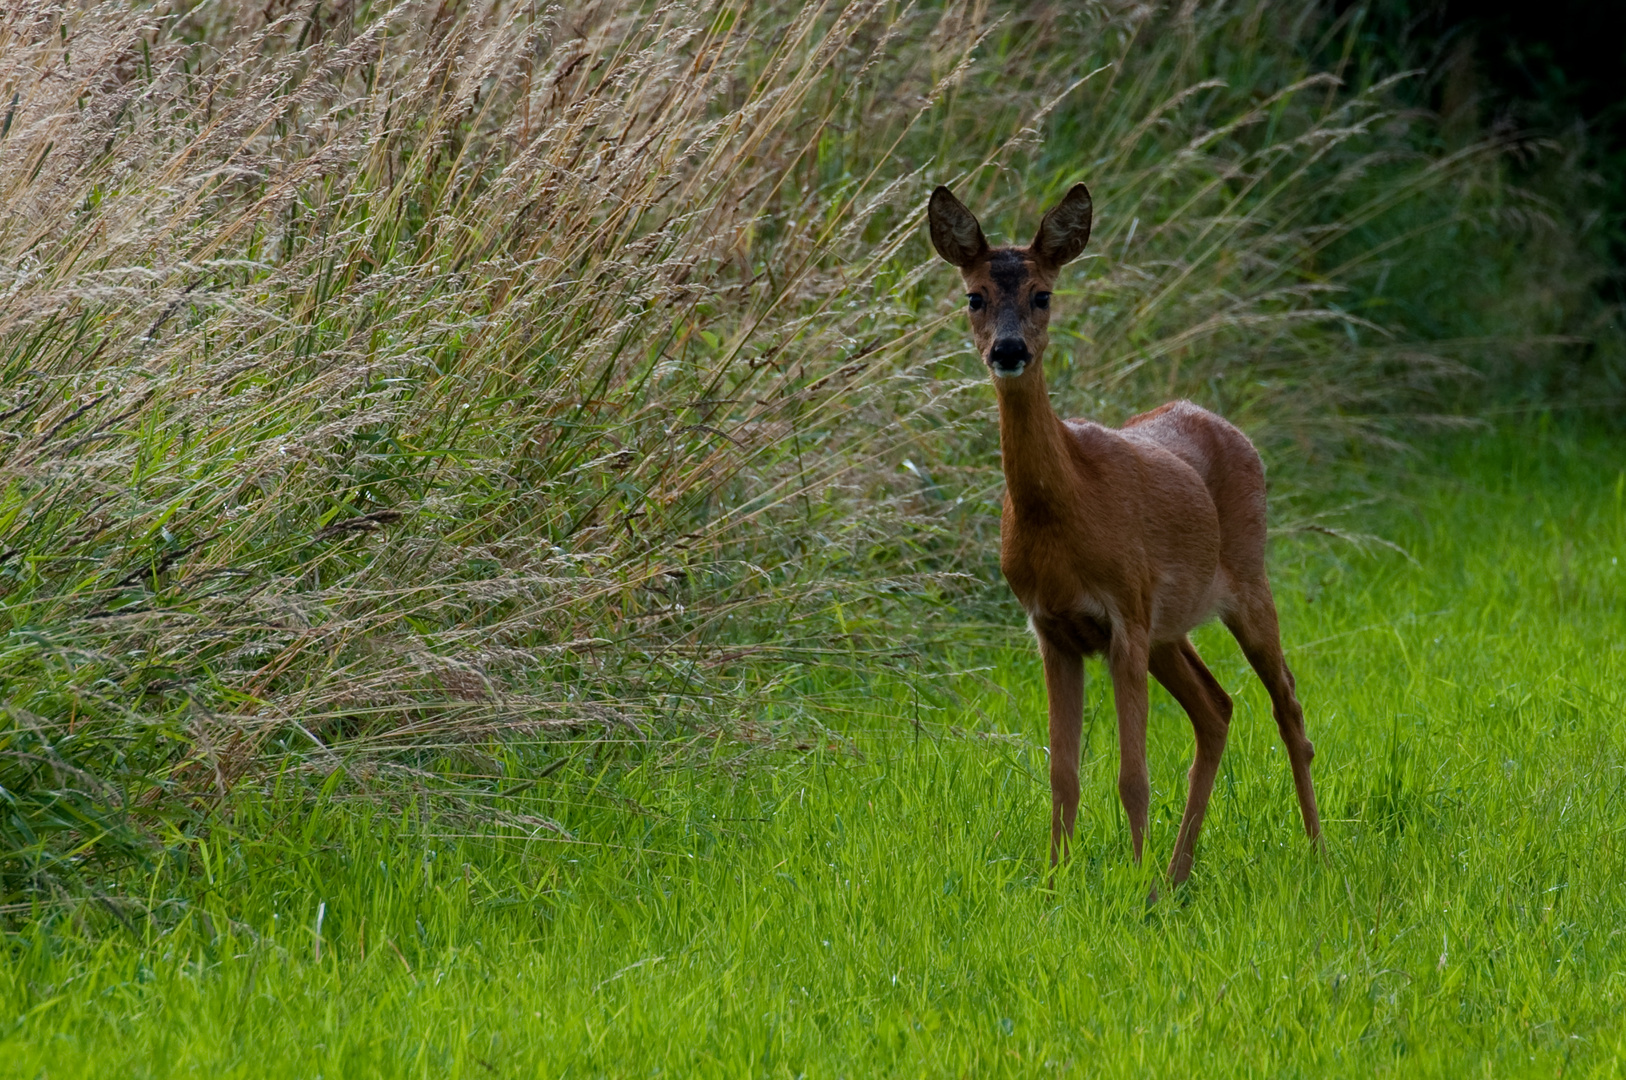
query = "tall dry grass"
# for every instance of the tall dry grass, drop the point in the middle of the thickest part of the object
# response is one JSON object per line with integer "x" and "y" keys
{"x": 378, "y": 380}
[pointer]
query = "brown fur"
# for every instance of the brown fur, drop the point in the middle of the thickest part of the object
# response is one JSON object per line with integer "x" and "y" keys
{"x": 1120, "y": 541}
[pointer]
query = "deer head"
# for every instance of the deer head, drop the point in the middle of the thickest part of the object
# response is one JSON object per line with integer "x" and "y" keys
{"x": 1008, "y": 288}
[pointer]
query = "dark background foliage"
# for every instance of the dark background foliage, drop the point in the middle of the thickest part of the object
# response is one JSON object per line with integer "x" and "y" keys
{"x": 1550, "y": 69}
{"x": 1540, "y": 82}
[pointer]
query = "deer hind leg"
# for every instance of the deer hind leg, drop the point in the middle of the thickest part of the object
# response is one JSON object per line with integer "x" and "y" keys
{"x": 1127, "y": 660}
{"x": 1253, "y": 622}
{"x": 1182, "y": 672}
{"x": 1064, "y": 686}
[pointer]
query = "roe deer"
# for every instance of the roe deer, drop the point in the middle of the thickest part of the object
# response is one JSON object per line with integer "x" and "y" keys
{"x": 1120, "y": 541}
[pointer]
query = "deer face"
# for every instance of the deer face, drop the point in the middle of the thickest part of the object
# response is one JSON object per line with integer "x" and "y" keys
{"x": 1008, "y": 288}
{"x": 1008, "y": 296}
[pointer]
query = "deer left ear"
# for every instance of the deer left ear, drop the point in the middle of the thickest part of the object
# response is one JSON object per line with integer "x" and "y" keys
{"x": 1066, "y": 229}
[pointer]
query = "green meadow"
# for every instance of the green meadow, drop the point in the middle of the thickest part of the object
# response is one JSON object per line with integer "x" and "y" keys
{"x": 876, "y": 905}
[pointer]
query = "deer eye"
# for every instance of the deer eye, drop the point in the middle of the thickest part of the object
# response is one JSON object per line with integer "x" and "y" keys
{"x": 975, "y": 301}
{"x": 1041, "y": 300}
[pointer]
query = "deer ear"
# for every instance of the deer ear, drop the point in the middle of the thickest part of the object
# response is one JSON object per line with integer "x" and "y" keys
{"x": 955, "y": 232}
{"x": 1066, "y": 229}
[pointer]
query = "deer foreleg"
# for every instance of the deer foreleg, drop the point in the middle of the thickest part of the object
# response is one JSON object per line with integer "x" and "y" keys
{"x": 1064, "y": 685}
{"x": 1127, "y": 660}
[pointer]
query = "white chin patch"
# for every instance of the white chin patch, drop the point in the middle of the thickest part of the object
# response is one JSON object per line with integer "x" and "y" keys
{"x": 1009, "y": 373}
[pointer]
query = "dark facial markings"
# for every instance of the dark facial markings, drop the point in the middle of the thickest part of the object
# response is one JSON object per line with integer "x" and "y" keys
{"x": 1007, "y": 294}
{"x": 1009, "y": 271}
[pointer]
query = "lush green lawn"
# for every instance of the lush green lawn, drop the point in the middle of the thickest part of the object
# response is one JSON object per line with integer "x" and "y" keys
{"x": 877, "y": 907}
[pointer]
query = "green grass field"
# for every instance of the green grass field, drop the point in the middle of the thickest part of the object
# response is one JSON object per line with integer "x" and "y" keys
{"x": 875, "y": 904}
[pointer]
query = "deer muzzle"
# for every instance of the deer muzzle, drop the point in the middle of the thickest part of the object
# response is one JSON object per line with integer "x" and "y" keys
{"x": 1009, "y": 357}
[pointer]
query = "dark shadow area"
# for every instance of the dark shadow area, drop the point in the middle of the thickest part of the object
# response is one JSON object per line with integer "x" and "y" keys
{"x": 1526, "y": 71}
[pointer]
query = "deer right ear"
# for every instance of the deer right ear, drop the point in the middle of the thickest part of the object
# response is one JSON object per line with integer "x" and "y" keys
{"x": 955, "y": 232}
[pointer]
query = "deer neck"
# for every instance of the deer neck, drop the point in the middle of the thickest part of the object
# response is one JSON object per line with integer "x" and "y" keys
{"x": 1032, "y": 444}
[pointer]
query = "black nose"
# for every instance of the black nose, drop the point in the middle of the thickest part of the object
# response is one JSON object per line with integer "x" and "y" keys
{"x": 1009, "y": 354}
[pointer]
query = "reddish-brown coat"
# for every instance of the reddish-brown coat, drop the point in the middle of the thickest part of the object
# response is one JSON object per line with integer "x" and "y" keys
{"x": 1120, "y": 541}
